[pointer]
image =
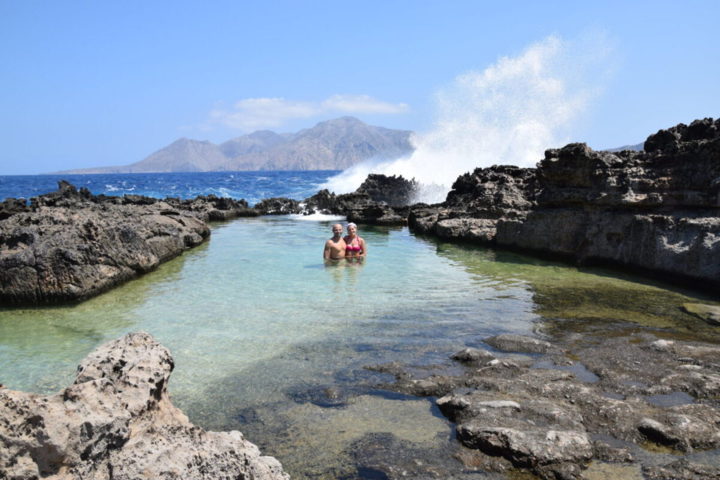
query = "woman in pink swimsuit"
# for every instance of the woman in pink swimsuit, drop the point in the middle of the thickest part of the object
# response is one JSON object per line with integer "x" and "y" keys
{"x": 355, "y": 246}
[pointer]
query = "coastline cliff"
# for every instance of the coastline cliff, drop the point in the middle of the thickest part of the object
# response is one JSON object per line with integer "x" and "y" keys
{"x": 656, "y": 211}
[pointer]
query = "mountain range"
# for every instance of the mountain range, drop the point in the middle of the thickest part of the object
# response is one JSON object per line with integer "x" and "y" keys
{"x": 331, "y": 145}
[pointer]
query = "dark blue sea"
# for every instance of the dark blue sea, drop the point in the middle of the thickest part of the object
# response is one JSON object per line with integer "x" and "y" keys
{"x": 251, "y": 186}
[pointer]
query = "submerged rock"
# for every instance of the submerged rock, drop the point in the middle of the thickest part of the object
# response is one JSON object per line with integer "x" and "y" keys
{"x": 519, "y": 343}
{"x": 709, "y": 313}
{"x": 117, "y": 417}
{"x": 549, "y": 420}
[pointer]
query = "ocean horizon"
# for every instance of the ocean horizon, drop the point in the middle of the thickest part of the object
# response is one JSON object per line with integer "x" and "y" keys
{"x": 251, "y": 186}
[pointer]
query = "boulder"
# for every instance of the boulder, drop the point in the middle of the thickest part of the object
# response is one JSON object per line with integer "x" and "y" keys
{"x": 394, "y": 191}
{"x": 117, "y": 417}
{"x": 709, "y": 313}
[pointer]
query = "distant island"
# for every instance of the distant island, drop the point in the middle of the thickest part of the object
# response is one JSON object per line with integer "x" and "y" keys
{"x": 331, "y": 145}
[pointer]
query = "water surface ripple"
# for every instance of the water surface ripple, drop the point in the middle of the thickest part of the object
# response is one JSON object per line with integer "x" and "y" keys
{"x": 258, "y": 326}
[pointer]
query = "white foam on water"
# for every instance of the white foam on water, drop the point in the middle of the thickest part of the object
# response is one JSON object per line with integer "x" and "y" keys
{"x": 318, "y": 217}
{"x": 507, "y": 114}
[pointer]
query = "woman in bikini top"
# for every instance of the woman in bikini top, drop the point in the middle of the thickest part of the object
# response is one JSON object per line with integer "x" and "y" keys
{"x": 355, "y": 245}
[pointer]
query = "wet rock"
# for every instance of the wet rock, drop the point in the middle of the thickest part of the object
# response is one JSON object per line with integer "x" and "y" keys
{"x": 708, "y": 313}
{"x": 682, "y": 470}
{"x": 384, "y": 456}
{"x": 324, "y": 202}
{"x": 684, "y": 428}
{"x": 654, "y": 210}
{"x": 70, "y": 245}
{"x": 322, "y": 396}
{"x": 394, "y": 191}
{"x": 473, "y": 356}
{"x": 543, "y": 419}
{"x": 117, "y": 417}
{"x": 378, "y": 214}
{"x": 607, "y": 453}
{"x": 550, "y": 453}
{"x": 278, "y": 206}
{"x": 380, "y": 200}
{"x": 212, "y": 208}
{"x": 520, "y": 343}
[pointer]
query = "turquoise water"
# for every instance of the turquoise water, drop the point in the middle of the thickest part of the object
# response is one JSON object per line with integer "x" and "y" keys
{"x": 258, "y": 325}
{"x": 257, "y": 288}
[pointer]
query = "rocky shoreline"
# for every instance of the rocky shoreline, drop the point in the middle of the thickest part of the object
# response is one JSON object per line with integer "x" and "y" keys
{"x": 70, "y": 245}
{"x": 553, "y": 406}
{"x": 655, "y": 212}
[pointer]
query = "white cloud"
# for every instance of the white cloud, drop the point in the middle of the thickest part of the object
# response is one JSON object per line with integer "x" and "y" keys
{"x": 362, "y": 104}
{"x": 257, "y": 113}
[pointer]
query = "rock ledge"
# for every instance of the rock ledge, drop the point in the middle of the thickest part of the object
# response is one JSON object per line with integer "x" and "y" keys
{"x": 116, "y": 421}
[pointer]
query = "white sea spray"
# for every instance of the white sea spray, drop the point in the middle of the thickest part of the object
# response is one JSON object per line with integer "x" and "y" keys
{"x": 507, "y": 114}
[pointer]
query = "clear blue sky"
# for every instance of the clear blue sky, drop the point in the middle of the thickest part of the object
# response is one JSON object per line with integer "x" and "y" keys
{"x": 94, "y": 83}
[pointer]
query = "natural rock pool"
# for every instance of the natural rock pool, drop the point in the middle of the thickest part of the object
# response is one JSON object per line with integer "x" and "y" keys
{"x": 269, "y": 340}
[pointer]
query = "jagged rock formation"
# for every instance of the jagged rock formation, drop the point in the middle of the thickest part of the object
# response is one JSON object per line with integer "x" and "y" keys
{"x": 71, "y": 245}
{"x": 380, "y": 200}
{"x": 395, "y": 191}
{"x": 657, "y": 210}
{"x": 116, "y": 421}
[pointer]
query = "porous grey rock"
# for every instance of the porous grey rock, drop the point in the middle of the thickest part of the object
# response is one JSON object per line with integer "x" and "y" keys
{"x": 395, "y": 191}
{"x": 70, "y": 245}
{"x": 509, "y": 342}
{"x": 542, "y": 419}
{"x": 473, "y": 355}
{"x": 368, "y": 204}
{"x": 278, "y": 206}
{"x": 682, "y": 470}
{"x": 116, "y": 421}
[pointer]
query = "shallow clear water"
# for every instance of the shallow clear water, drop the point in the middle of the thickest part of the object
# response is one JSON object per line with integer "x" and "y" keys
{"x": 260, "y": 327}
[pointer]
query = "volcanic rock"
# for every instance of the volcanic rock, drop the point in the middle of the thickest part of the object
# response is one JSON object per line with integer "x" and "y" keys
{"x": 656, "y": 210}
{"x": 70, "y": 245}
{"x": 278, "y": 206}
{"x": 394, "y": 191}
{"x": 117, "y": 417}
{"x": 541, "y": 417}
